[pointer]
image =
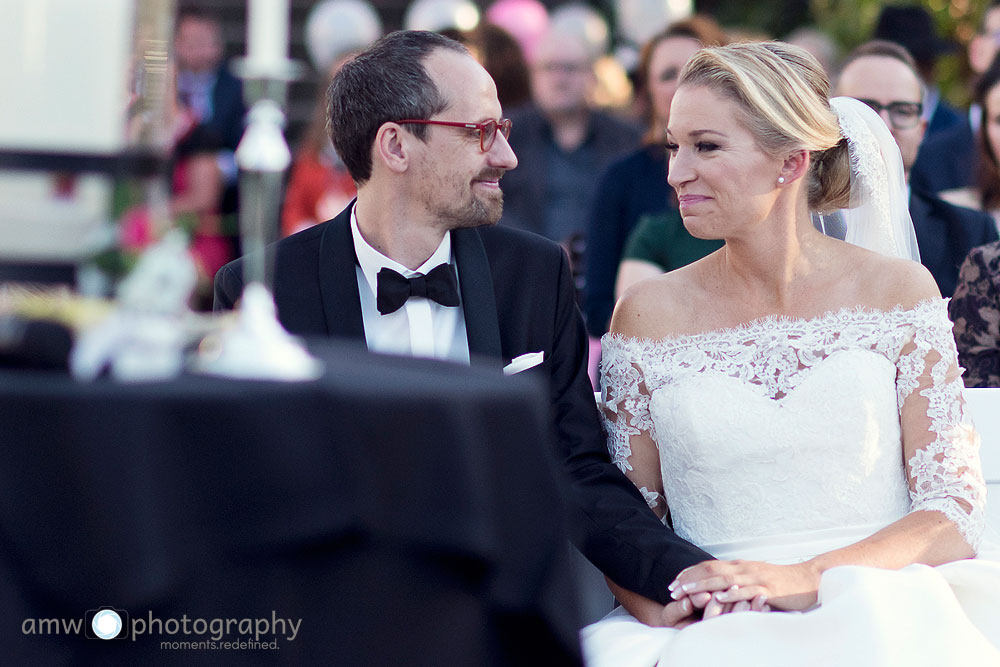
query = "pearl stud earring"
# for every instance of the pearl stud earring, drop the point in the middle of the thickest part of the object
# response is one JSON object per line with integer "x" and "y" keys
{"x": 781, "y": 179}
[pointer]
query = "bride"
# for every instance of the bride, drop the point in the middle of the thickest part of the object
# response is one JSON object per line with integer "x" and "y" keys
{"x": 792, "y": 403}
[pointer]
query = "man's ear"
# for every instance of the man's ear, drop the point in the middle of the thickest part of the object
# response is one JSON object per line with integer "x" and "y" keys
{"x": 391, "y": 147}
{"x": 795, "y": 166}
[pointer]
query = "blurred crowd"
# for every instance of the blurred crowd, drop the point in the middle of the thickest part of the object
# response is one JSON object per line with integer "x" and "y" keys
{"x": 589, "y": 131}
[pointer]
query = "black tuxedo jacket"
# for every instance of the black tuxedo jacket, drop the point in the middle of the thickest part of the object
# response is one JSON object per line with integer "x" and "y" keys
{"x": 517, "y": 297}
{"x": 946, "y": 160}
{"x": 945, "y": 235}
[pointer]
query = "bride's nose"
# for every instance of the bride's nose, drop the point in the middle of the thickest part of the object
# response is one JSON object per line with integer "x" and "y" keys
{"x": 679, "y": 168}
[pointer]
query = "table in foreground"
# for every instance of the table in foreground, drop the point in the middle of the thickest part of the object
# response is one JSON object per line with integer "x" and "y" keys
{"x": 396, "y": 511}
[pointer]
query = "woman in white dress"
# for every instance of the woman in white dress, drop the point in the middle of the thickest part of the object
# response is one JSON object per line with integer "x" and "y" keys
{"x": 792, "y": 402}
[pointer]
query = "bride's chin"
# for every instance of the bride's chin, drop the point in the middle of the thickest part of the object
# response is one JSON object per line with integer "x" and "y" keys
{"x": 700, "y": 229}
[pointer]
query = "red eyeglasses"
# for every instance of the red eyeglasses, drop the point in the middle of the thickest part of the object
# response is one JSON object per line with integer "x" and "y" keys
{"x": 487, "y": 131}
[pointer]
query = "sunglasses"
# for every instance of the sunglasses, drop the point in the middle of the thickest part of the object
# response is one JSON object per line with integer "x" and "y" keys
{"x": 902, "y": 115}
{"x": 487, "y": 131}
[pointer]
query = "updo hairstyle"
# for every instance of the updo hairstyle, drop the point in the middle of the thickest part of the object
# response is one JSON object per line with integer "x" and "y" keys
{"x": 782, "y": 97}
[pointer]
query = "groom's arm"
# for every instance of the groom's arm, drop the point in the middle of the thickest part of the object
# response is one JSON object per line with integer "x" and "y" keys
{"x": 609, "y": 521}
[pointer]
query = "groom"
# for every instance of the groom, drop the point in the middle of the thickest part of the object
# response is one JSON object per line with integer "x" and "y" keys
{"x": 417, "y": 266}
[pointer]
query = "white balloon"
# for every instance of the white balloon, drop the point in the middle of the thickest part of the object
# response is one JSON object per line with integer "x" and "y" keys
{"x": 638, "y": 20}
{"x": 335, "y": 27}
{"x": 438, "y": 15}
{"x": 584, "y": 22}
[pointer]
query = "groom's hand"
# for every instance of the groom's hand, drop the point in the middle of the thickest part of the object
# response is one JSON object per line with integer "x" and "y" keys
{"x": 682, "y": 613}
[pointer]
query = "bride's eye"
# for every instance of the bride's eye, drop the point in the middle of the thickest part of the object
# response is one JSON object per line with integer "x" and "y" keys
{"x": 671, "y": 148}
{"x": 706, "y": 146}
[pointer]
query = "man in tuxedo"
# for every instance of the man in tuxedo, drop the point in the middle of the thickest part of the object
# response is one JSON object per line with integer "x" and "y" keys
{"x": 883, "y": 75}
{"x": 416, "y": 265}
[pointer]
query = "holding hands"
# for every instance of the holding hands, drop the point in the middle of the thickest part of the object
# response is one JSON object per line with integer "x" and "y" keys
{"x": 740, "y": 585}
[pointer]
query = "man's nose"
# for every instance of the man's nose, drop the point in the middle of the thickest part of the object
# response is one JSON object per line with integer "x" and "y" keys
{"x": 501, "y": 155}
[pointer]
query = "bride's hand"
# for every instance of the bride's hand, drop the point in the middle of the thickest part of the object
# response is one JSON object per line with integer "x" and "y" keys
{"x": 747, "y": 584}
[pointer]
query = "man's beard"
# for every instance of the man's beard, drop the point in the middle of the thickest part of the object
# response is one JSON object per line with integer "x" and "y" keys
{"x": 477, "y": 212}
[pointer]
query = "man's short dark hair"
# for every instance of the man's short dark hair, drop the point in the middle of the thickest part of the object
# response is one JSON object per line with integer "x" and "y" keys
{"x": 196, "y": 13}
{"x": 882, "y": 48}
{"x": 385, "y": 83}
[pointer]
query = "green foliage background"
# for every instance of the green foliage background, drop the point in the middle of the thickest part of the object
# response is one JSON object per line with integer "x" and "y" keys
{"x": 851, "y": 22}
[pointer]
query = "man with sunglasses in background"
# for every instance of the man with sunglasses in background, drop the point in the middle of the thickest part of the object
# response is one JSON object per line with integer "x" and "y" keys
{"x": 883, "y": 76}
{"x": 417, "y": 266}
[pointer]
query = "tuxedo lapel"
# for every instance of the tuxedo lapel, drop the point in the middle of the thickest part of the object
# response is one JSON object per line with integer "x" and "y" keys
{"x": 339, "y": 280}
{"x": 478, "y": 298}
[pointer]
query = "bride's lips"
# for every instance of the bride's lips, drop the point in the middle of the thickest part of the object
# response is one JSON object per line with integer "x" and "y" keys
{"x": 686, "y": 201}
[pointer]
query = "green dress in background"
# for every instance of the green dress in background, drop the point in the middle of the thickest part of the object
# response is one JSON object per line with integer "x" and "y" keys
{"x": 661, "y": 239}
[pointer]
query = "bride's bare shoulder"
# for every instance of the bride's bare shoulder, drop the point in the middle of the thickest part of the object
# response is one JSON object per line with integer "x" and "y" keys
{"x": 888, "y": 282}
{"x": 659, "y": 306}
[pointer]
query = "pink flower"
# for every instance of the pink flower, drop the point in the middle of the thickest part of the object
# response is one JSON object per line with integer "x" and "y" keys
{"x": 135, "y": 231}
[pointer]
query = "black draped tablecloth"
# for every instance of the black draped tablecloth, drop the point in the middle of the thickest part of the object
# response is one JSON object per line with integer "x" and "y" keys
{"x": 404, "y": 511}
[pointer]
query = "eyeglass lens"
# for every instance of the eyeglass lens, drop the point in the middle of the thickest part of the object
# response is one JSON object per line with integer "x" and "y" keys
{"x": 902, "y": 115}
{"x": 489, "y": 133}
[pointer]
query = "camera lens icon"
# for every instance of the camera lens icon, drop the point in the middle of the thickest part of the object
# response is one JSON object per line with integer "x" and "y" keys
{"x": 106, "y": 624}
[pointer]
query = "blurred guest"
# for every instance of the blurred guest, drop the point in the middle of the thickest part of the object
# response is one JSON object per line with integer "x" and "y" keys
{"x": 985, "y": 194}
{"x": 984, "y": 46}
{"x": 819, "y": 44}
{"x": 884, "y": 76}
{"x": 204, "y": 83}
{"x": 913, "y": 28}
{"x": 563, "y": 144}
{"x": 659, "y": 243}
{"x": 195, "y": 195}
{"x": 319, "y": 186}
{"x": 975, "y": 310}
{"x": 636, "y": 185}
{"x": 948, "y": 159}
{"x": 214, "y": 95}
{"x": 500, "y": 55}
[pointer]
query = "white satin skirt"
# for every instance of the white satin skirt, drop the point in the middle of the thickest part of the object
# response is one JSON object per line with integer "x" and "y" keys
{"x": 918, "y": 616}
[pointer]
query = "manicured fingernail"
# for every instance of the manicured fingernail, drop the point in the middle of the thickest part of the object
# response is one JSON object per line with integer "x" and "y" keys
{"x": 673, "y": 585}
{"x": 688, "y": 587}
{"x": 686, "y": 605}
{"x": 677, "y": 595}
{"x": 723, "y": 596}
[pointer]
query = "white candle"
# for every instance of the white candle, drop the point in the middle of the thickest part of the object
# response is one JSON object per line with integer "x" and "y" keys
{"x": 267, "y": 32}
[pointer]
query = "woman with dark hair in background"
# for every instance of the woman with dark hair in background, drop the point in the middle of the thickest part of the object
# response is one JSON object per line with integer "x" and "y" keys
{"x": 501, "y": 56}
{"x": 636, "y": 185}
{"x": 975, "y": 306}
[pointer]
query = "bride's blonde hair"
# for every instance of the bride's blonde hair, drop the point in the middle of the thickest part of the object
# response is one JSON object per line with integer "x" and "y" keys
{"x": 782, "y": 94}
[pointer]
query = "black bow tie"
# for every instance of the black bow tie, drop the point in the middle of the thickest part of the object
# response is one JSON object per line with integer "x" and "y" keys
{"x": 438, "y": 285}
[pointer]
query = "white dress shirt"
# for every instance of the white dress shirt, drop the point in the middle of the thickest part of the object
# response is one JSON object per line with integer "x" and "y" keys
{"x": 422, "y": 327}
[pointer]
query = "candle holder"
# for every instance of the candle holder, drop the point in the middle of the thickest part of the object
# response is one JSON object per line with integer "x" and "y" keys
{"x": 258, "y": 347}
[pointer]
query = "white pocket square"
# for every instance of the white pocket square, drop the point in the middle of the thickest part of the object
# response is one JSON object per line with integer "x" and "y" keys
{"x": 523, "y": 362}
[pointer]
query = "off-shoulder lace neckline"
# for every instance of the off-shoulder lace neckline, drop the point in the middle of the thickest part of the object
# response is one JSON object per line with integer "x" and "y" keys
{"x": 776, "y": 320}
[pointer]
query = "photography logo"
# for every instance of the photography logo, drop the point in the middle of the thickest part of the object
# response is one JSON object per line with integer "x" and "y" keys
{"x": 106, "y": 623}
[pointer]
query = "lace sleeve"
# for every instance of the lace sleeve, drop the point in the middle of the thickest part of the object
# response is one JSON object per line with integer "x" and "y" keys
{"x": 940, "y": 446}
{"x": 625, "y": 414}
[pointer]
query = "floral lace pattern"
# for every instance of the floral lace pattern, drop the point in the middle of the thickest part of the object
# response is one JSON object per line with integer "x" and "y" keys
{"x": 867, "y": 165}
{"x": 771, "y": 358}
